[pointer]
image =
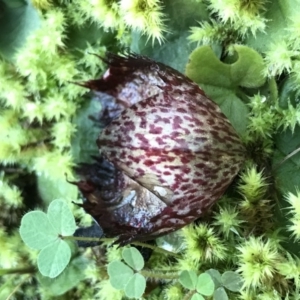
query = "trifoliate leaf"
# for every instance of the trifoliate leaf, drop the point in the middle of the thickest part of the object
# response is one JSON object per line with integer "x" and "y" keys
{"x": 205, "y": 284}
{"x": 136, "y": 286}
{"x": 188, "y": 279}
{"x": 119, "y": 274}
{"x": 36, "y": 230}
{"x": 61, "y": 217}
{"x": 133, "y": 258}
{"x": 53, "y": 259}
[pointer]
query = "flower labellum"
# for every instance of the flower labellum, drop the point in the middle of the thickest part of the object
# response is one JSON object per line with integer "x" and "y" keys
{"x": 167, "y": 152}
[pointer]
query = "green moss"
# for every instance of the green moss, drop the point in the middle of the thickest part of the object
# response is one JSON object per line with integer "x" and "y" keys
{"x": 248, "y": 63}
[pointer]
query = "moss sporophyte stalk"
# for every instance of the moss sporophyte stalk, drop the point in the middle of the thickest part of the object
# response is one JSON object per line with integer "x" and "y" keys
{"x": 244, "y": 56}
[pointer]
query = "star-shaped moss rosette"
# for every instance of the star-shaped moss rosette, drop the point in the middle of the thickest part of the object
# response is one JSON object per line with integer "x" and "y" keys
{"x": 45, "y": 232}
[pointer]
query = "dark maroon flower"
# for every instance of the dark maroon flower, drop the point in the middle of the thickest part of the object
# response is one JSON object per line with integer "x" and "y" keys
{"x": 167, "y": 152}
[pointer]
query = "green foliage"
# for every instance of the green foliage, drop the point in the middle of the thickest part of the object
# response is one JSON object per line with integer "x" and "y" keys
{"x": 205, "y": 284}
{"x": 68, "y": 279}
{"x": 287, "y": 176}
{"x": 45, "y": 232}
{"x": 232, "y": 281}
{"x": 248, "y": 62}
{"x": 119, "y": 274}
{"x": 221, "y": 81}
{"x": 211, "y": 283}
{"x": 133, "y": 258}
{"x": 123, "y": 278}
{"x": 19, "y": 19}
{"x": 188, "y": 279}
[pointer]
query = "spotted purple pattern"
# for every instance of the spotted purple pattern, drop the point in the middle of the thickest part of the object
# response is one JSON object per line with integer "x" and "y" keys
{"x": 171, "y": 152}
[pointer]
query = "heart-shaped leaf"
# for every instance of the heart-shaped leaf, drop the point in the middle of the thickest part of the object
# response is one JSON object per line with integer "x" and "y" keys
{"x": 61, "y": 217}
{"x": 216, "y": 277}
{"x": 188, "y": 279}
{"x": 197, "y": 297}
{"x": 205, "y": 284}
{"x": 69, "y": 278}
{"x": 54, "y": 258}
{"x": 136, "y": 286}
{"x": 119, "y": 274}
{"x": 36, "y": 230}
{"x": 221, "y": 81}
{"x": 220, "y": 294}
{"x": 133, "y": 258}
{"x": 232, "y": 281}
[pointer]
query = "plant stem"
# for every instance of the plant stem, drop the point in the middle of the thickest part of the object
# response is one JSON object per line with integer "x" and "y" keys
{"x": 94, "y": 239}
{"x": 189, "y": 295}
{"x": 159, "y": 275}
{"x": 273, "y": 90}
{"x": 27, "y": 270}
{"x": 287, "y": 157}
{"x": 17, "y": 287}
{"x": 155, "y": 248}
{"x": 87, "y": 239}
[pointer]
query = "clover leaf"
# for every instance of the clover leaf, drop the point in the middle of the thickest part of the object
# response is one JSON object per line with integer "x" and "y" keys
{"x": 45, "y": 232}
{"x": 205, "y": 284}
{"x": 188, "y": 279}
{"x": 122, "y": 277}
{"x": 133, "y": 258}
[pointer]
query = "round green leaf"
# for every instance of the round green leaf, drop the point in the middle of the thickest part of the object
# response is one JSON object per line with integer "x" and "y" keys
{"x": 36, "y": 230}
{"x": 197, "y": 297}
{"x": 232, "y": 281}
{"x": 133, "y": 258}
{"x": 61, "y": 217}
{"x": 69, "y": 278}
{"x": 220, "y": 294}
{"x": 188, "y": 279}
{"x": 119, "y": 274}
{"x": 136, "y": 286}
{"x": 216, "y": 276}
{"x": 53, "y": 259}
{"x": 205, "y": 284}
